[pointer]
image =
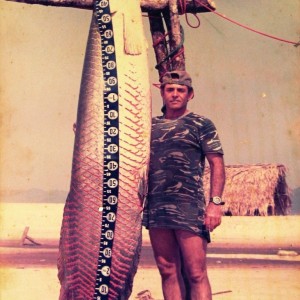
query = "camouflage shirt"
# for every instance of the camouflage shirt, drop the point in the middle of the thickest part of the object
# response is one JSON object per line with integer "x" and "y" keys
{"x": 175, "y": 193}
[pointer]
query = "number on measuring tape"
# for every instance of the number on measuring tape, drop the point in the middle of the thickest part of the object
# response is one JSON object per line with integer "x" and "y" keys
{"x": 110, "y": 65}
{"x": 113, "y": 148}
{"x": 103, "y": 289}
{"x": 113, "y": 131}
{"x": 110, "y": 149}
{"x": 112, "y": 166}
{"x": 107, "y": 252}
{"x": 113, "y": 114}
{"x": 112, "y": 97}
{"x": 103, "y": 3}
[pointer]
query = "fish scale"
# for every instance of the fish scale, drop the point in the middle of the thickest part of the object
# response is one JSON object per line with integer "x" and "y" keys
{"x": 82, "y": 225}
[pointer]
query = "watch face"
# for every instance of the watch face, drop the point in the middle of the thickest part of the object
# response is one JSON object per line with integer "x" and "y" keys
{"x": 216, "y": 200}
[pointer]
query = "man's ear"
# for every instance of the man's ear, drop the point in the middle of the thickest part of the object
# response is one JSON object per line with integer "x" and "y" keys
{"x": 161, "y": 91}
{"x": 191, "y": 95}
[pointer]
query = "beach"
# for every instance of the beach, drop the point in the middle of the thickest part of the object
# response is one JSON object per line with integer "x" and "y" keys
{"x": 249, "y": 257}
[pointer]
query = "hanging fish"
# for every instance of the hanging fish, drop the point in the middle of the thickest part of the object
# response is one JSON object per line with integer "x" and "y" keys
{"x": 83, "y": 212}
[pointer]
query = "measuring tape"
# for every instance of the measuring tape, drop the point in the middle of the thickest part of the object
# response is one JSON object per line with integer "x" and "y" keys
{"x": 111, "y": 149}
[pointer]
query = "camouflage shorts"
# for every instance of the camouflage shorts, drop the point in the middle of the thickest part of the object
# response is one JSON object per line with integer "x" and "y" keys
{"x": 176, "y": 216}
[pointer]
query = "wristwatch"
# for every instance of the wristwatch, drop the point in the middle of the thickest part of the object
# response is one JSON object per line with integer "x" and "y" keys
{"x": 216, "y": 200}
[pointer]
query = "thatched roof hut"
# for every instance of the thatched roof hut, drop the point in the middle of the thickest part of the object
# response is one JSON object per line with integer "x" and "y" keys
{"x": 254, "y": 190}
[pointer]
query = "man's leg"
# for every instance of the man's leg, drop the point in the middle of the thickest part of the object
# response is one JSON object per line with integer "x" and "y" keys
{"x": 193, "y": 249}
{"x": 167, "y": 256}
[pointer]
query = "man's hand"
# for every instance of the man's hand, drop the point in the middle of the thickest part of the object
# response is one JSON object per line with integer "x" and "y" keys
{"x": 213, "y": 216}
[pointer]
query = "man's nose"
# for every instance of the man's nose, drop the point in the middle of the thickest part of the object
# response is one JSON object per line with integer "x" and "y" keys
{"x": 175, "y": 93}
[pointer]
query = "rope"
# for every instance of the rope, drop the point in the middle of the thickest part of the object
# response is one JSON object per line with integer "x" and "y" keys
{"x": 182, "y": 8}
{"x": 296, "y": 44}
{"x": 163, "y": 38}
{"x": 182, "y": 4}
{"x": 188, "y": 22}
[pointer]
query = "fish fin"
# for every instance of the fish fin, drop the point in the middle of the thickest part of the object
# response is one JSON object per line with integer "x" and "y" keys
{"x": 114, "y": 6}
{"x": 134, "y": 40}
{"x": 143, "y": 184}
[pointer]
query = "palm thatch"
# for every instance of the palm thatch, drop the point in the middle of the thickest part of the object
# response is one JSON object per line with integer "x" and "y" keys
{"x": 254, "y": 190}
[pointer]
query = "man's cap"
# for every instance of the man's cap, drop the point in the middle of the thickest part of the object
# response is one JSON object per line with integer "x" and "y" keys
{"x": 177, "y": 77}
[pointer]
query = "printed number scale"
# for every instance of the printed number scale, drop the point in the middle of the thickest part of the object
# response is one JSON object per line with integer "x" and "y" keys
{"x": 111, "y": 148}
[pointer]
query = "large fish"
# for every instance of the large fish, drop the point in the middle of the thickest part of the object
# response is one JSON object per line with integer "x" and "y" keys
{"x": 82, "y": 218}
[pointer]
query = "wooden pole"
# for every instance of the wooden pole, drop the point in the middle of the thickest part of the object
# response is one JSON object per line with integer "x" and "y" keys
{"x": 159, "y": 41}
{"x": 146, "y": 5}
{"x": 176, "y": 37}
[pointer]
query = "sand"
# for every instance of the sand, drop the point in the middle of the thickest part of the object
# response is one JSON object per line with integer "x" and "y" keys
{"x": 243, "y": 261}
{"x": 244, "y": 283}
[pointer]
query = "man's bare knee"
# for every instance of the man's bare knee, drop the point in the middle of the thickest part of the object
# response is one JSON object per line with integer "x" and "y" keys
{"x": 197, "y": 276}
{"x": 166, "y": 269}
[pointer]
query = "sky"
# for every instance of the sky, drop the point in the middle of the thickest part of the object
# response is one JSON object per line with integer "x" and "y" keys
{"x": 249, "y": 85}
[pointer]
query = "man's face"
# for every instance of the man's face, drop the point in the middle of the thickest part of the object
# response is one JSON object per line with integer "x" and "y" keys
{"x": 176, "y": 96}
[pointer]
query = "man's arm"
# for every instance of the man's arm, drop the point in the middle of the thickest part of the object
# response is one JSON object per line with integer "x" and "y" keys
{"x": 217, "y": 181}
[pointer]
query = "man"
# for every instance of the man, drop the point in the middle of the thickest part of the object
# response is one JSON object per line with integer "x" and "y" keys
{"x": 175, "y": 212}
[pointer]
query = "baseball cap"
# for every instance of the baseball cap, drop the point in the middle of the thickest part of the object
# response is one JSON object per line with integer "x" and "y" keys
{"x": 177, "y": 77}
